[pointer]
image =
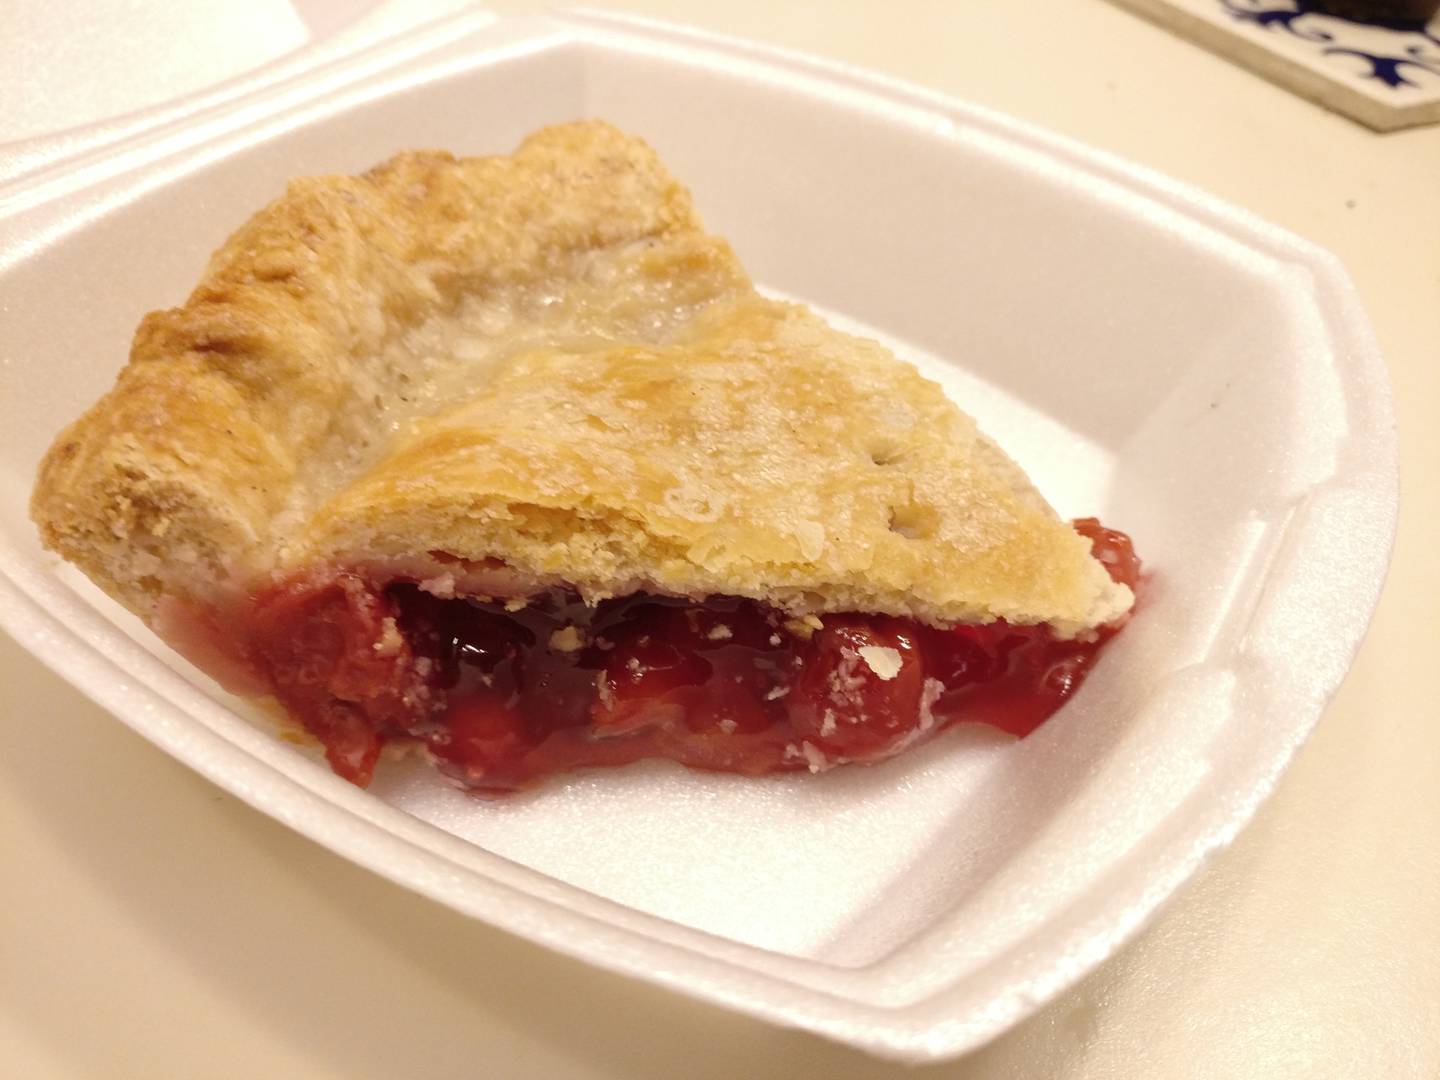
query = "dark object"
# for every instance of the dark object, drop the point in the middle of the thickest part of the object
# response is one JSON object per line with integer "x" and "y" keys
{"x": 1396, "y": 14}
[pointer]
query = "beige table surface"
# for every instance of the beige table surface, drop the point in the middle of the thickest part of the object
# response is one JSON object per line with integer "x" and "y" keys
{"x": 152, "y": 926}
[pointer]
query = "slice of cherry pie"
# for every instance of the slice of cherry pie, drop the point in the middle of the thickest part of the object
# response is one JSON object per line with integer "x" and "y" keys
{"x": 508, "y": 457}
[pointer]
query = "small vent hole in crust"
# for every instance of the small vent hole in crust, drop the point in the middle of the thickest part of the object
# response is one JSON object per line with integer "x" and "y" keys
{"x": 913, "y": 521}
{"x": 885, "y": 453}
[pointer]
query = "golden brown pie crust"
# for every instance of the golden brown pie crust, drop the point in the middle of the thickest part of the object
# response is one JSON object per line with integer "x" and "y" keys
{"x": 539, "y": 369}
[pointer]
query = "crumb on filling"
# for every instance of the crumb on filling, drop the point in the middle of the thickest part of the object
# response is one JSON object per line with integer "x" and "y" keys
{"x": 503, "y": 694}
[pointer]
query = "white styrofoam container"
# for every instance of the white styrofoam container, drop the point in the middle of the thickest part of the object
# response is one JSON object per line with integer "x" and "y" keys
{"x": 1195, "y": 376}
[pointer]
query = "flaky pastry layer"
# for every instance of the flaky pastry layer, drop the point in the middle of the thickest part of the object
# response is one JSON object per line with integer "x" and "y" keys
{"x": 540, "y": 363}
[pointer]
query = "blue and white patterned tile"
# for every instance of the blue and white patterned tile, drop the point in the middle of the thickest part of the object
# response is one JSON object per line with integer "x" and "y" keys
{"x": 1386, "y": 77}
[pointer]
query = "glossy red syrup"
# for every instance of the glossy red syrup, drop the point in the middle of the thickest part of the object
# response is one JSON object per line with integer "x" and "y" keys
{"x": 503, "y": 699}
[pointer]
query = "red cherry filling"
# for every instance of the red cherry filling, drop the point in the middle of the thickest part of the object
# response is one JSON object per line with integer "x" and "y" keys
{"x": 646, "y": 683}
{"x": 505, "y": 698}
{"x": 860, "y": 685}
{"x": 337, "y": 659}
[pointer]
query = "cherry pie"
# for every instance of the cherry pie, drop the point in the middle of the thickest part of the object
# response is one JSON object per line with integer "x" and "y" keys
{"x": 507, "y": 456}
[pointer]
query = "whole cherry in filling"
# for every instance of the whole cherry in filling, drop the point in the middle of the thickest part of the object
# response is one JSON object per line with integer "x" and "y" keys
{"x": 504, "y": 698}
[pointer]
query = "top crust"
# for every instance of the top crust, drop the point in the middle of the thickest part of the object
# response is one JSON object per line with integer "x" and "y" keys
{"x": 540, "y": 363}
